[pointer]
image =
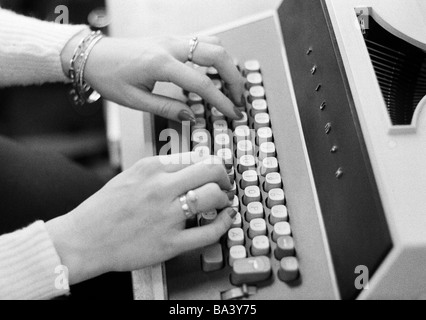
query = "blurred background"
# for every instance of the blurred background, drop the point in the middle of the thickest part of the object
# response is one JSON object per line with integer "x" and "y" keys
{"x": 43, "y": 117}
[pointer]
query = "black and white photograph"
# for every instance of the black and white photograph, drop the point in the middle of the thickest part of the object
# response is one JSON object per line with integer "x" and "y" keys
{"x": 218, "y": 156}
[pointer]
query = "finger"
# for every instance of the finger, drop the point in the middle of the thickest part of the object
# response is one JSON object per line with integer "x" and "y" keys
{"x": 216, "y": 56}
{"x": 175, "y": 162}
{"x": 195, "y": 238}
{"x": 194, "y": 81}
{"x": 160, "y": 105}
{"x": 210, "y": 54}
{"x": 202, "y": 173}
{"x": 207, "y": 198}
{"x": 178, "y": 161}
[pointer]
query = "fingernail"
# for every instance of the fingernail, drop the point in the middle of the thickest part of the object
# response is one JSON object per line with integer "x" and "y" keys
{"x": 232, "y": 213}
{"x": 185, "y": 115}
{"x": 230, "y": 196}
{"x": 238, "y": 113}
{"x": 243, "y": 101}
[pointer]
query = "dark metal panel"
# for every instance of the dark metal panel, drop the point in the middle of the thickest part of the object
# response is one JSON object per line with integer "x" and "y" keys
{"x": 352, "y": 211}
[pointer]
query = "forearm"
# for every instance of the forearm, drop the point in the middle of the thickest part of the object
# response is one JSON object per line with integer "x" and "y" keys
{"x": 30, "y": 49}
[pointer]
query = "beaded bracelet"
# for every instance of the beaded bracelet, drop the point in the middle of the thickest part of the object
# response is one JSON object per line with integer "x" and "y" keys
{"x": 82, "y": 93}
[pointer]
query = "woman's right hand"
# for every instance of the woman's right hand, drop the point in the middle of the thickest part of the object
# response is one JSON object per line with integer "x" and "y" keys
{"x": 137, "y": 220}
{"x": 125, "y": 71}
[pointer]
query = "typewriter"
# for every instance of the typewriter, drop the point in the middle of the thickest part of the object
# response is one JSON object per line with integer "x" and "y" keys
{"x": 328, "y": 163}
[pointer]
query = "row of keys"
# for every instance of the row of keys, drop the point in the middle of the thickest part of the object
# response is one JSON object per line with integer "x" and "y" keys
{"x": 272, "y": 178}
{"x": 260, "y": 120}
{"x": 275, "y": 196}
{"x": 258, "y": 269}
{"x": 249, "y": 152}
{"x": 258, "y": 227}
{"x": 200, "y": 135}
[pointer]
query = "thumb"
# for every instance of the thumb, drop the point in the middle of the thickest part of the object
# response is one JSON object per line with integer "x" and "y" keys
{"x": 195, "y": 238}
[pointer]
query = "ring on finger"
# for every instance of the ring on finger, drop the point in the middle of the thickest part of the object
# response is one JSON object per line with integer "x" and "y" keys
{"x": 193, "y": 43}
{"x": 191, "y": 197}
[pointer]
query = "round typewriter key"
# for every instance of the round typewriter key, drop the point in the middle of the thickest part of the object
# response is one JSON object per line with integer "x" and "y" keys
{"x": 256, "y": 92}
{"x": 254, "y": 211}
{"x": 235, "y": 237}
{"x": 278, "y": 214}
{"x": 281, "y": 229}
{"x": 268, "y": 165}
{"x": 254, "y": 79}
{"x": 236, "y": 204}
{"x": 272, "y": 181}
{"x": 220, "y": 126}
{"x": 260, "y": 246}
{"x": 226, "y": 155}
{"x": 244, "y": 147}
{"x": 200, "y": 124}
{"x": 208, "y": 217}
{"x": 289, "y": 269}
{"x": 257, "y": 228}
{"x": 276, "y": 197}
{"x": 199, "y": 110}
{"x": 264, "y": 135}
{"x": 251, "y": 66}
{"x": 200, "y": 137}
{"x": 251, "y": 194}
{"x": 236, "y": 253}
{"x": 262, "y": 120}
{"x": 194, "y": 98}
{"x": 259, "y": 106}
{"x": 242, "y": 133}
{"x": 285, "y": 247}
{"x": 216, "y": 115}
{"x": 233, "y": 192}
{"x": 238, "y": 221}
{"x": 222, "y": 141}
{"x": 246, "y": 163}
{"x": 249, "y": 178}
{"x": 241, "y": 122}
{"x": 267, "y": 150}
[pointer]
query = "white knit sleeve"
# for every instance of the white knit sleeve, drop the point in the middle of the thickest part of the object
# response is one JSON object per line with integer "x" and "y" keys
{"x": 30, "y": 267}
{"x": 30, "y": 49}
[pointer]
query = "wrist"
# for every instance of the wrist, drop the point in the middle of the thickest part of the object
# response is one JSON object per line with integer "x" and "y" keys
{"x": 73, "y": 251}
{"x": 69, "y": 49}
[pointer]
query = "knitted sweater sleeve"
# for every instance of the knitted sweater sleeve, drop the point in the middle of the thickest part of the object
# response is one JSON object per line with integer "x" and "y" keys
{"x": 30, "y": 49}
{"x": 30, "y": 267}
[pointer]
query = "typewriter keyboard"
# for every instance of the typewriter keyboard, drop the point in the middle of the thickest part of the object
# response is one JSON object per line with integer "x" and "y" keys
{"x": 259, "y": 248}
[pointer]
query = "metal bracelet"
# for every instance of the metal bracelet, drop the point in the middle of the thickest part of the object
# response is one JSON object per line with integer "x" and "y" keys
{"x": 82, "y": 93}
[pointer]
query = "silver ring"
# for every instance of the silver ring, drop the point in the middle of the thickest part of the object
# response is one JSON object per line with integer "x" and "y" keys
{"x": 193, "y": 43}
{"x": 192, "y": 198}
